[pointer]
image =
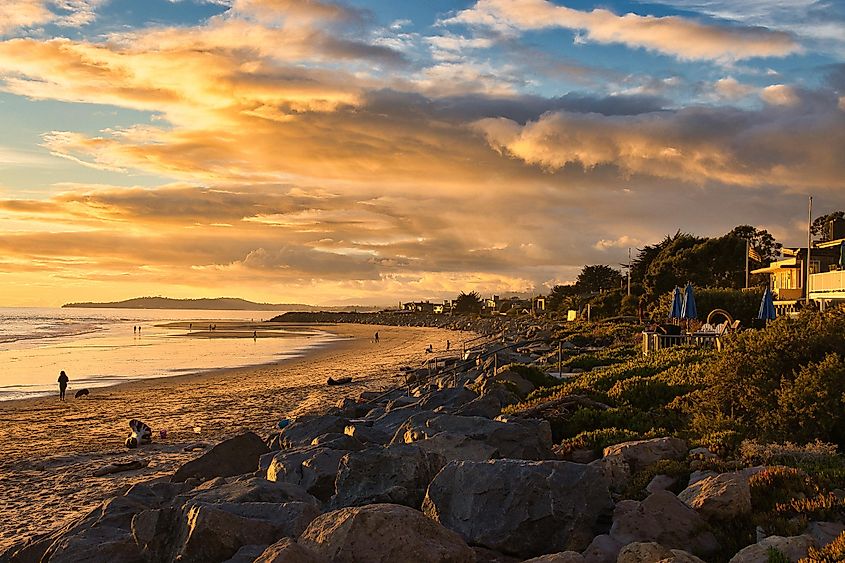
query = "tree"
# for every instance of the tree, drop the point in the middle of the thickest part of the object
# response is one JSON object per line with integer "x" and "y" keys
{"x": 819, "y": 227}
{"x": 599, "y": 277}
{"x": 761, "y": 241}
{"x": 468, "y": 303}
{"x": 646, "y": 255}
{"x": 559, "y": 295}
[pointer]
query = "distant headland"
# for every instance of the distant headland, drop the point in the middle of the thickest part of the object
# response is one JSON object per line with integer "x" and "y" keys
{"x": 217, "y": 303}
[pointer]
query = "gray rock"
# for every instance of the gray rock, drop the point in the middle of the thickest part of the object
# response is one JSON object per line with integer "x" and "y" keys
{"x": 390, "y": 422}
{"x": 561, "y": 557}
{"x": 337, "y": 441}
{"x": 825, "y": 532}
{"x": 312, "y": 468}
{"x": 488, "y": 406}
{"x": 215, "y": 532}
{"x": 457, "y": 447}
{"x": 303, "y": 430}
{"x": 793, "y": 547}
{"x": 520, "y": 507}
{"x": 383, "y": 533}
{"x": 254, "y": 489}
{"x": 664, "y": 519}
{"x": 367, "y": 434}
{"x": 640, "y": 454}
{"x": 397, "y": 474}
{"x": 234, "y": 456}
{"x": 247, "y": 554}
{"x": 652, "y": 552}
{"x": 450, "y": 397}
{"x": 660, "y": 483}
{"x": 720, "y": 497}
{"x": 287, "y": 550}
{"x": 603, "y": 549}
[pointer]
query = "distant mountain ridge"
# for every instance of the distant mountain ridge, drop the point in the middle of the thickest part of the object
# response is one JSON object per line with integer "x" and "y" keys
{"x": 217, "y": 303}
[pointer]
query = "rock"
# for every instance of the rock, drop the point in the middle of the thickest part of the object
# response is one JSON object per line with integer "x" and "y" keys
{"x": 562, "y": 557}
{"x": 313, "y": 468}
{"x": 367, "y": 434}
{"x": 519, "y": 507}
{"x": 505, "y": 379}
{"x": 457, "y": 447}
{"x": 516, "y": 439}
{"x": 699, "y": 475}
{"x": 97, "y": 544}
{"x": 488, "y": 406}
{"x": 825, "y": 532}
{"x": 254, "y": 489}
{"x": 451, "y": 397}
{"x": 247, "y": 554}
{"x": 719, "y": 497}
{"x": 664, "y": 519}
{"x": 383, "y": 533}
{"x": 793, "y": 547}
{"x": 642, "y": 453}
{"x": 660, "y": 483}
{"x": 234, "y": 456}
{"x": 287, "y": 550}
{"x": 484, "y": 555}
{"x": 603, "y": 549}
{"x": 614, "y": 470}
{"x": 390, "y": 422}
{"x": 581, "y": 455}
{"x": 702, "y": 453}
{"x": 303, "y": 430}
{"x": 337, "y": 441}
{"x": 215, "y": 532}
{"x": 652, "y": 552}
{"x": 397, "y": 474}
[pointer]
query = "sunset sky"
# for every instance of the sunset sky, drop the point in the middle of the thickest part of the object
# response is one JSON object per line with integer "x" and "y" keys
{"x": 367, "y": 151}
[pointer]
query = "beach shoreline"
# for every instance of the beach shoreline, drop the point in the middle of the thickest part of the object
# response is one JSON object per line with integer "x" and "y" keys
{"x": 51, "y": 448}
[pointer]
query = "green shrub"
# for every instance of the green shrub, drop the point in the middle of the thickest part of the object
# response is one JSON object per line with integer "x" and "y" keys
{"x": 644, "y": 392}
{"x": 535, "y": 375}
{"x": 813, "y": 402}
{"x": 723, "y": 442}
{"x": 597, "y": 440}
{"x": 774, "y": 555}
{"x": 779, "y": 485}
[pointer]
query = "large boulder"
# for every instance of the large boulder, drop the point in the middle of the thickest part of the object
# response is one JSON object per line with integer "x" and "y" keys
{"x": 303, "y": 430}
{"x": 640, "y": 454}
{"x": 458, "y": 447}
{"x": 312, "y": 468}
{"x": 515, "y": 438}
{"x": 253, "y": 489}
{"x": 488, "y": 406}
{"x": 215, "y": 532}
{"x": 234, "y": 456}
{"x": 793, "y": 547}
{"x": 383, "y": 533}
{"x": 520, "y": 507}
{"x": 506, "y": 379}
{"x": 287, "y": 550}
{"x": 664, "y": 519}
{"x": 397, "y": 474}
{"x": 367, "y": 434}
{"x": 450, "y": 398}
{"x": 561, "y": 557}
{"x": 652, "y": 552}
{"x": 719, "y": 497}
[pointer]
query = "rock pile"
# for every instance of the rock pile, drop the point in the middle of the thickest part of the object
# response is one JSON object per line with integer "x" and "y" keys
{"x": 431, "y": 472}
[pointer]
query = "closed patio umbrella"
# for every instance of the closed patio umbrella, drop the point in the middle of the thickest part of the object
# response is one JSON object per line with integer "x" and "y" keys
{"x": 675, "y": 313}
{"x": 767, "y": 306}
{"x": 688, "y": 310}
{"x": 842, "y": 255}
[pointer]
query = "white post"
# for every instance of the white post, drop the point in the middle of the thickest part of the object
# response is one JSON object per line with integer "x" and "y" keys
{"x": 629, "y": 271}
{"x": 809, "y": 245}
{"x": 747, "y": 250}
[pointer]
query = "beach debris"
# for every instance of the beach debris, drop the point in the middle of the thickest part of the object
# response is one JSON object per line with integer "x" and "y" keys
{"x": 120, "y": 466}
{"x": 195, "y": 446}
{"x": 282, "y": 423}
{"x": 338, "y": 381}
{"x": 234, "y": 456}
{"x": 197, "y": 429}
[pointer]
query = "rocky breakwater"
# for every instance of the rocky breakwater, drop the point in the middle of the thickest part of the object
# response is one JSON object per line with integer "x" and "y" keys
{"x": 430, "y": 472}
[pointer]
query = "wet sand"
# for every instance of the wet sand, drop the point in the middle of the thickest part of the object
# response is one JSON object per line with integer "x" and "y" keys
{"x": 50, "y": 449}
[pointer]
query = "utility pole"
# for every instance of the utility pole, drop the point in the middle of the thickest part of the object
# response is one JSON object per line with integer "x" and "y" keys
{"x": 747, "y": 250}
{"x": 629, "y": 271}
{"x": 809, "y": 245}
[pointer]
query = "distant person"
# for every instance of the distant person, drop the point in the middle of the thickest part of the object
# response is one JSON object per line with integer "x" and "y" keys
{"x": 448, "y": 345}
{"x": 190, "y": 327}
{"x": 141, "y": 434}
{"x": 134, "y": 329}
{"x": 254, "y": 334}
{"x": 430, "y": 349}
{"x": 63, "y": 379}
{"x": 375, "y": 338}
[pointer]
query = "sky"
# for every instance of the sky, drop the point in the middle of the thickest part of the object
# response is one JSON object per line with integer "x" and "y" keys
{"x": 372, "y": 151}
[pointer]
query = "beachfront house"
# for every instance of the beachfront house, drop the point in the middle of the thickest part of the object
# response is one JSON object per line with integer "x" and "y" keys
{"x": 826, "y": 285}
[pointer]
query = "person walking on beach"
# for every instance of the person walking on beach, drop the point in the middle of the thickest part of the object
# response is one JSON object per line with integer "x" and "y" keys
{"x": 375, "y": 338}
{"x": 63, "y": 379}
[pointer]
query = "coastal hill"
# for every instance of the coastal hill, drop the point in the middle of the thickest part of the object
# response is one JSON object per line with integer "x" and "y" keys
{"x": 217, "y": 303}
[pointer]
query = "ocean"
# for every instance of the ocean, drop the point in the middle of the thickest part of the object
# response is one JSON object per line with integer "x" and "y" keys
{"x": 99, "y": 347}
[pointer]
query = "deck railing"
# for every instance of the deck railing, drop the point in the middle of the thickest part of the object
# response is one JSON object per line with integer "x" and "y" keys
{"x": 828, "y": 282}
{"x": 653, "y": 341}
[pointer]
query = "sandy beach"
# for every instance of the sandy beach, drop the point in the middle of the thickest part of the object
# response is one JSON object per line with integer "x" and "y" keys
{"x": 51, "y": 449}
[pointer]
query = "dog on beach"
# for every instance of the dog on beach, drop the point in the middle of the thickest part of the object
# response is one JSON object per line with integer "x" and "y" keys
{"x": 81, "y": 393}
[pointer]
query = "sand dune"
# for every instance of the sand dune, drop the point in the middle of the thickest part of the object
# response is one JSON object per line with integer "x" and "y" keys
{"x": 50, "y": 449}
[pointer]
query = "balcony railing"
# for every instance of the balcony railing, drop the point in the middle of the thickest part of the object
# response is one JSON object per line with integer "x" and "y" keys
{"x": 828, "y": 282}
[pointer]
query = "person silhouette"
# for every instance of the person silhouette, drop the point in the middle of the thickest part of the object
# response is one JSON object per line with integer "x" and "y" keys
{"x": 63, "y": 380}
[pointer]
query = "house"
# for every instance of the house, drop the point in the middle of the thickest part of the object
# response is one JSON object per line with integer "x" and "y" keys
{"x": 827, "y": 280}
{"x": 419, "y": 307}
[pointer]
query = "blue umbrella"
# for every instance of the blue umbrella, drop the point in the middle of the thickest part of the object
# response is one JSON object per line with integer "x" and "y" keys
{"x": 688, "y": 310}
{"x": 767, "y": 306}
{"x": 842, "y": 255}
{"x": 675, "y": 313}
